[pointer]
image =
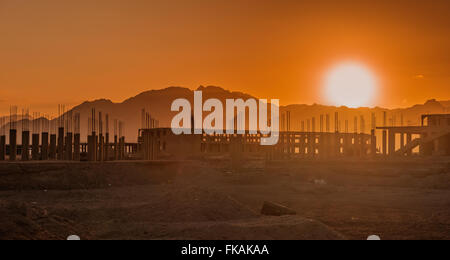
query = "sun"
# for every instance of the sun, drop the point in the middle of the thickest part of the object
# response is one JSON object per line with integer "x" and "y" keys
{"x": 351, "y": 85}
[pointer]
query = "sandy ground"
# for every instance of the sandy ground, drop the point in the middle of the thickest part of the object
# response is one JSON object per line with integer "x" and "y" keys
{"x": 193, "y": 200}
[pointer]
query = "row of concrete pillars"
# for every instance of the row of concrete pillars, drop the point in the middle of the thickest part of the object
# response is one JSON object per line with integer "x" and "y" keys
{"x": 100, "y": 149}
{"x": 296, "y": 145}
{"x": 323, "y": 145}
{"x": 42, "y": 146}
{"x": 389, "y": 143}
{"x": 63, "y": 146}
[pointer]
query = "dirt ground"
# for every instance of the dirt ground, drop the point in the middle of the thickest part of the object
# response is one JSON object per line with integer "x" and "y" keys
{"x": 206, "y": 200}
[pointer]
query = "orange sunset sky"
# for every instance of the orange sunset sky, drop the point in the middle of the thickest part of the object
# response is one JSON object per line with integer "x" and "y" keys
{"x": 69, "y": 51}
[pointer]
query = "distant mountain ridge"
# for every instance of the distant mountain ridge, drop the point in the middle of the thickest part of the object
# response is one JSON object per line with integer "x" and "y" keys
{"x": 158, "y": 104}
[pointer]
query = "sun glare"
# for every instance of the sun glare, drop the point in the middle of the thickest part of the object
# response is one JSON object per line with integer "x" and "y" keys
{"x": 351, "y": 85}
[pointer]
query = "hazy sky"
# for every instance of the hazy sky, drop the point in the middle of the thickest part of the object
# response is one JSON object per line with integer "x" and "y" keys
{"x": 54, "y": 51}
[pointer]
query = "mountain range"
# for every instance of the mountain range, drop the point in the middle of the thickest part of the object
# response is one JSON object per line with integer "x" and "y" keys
{"x": 158, "y": 104}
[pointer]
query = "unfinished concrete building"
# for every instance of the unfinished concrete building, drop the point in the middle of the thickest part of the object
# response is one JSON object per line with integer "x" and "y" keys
{"x": 45, "y": 139}
{"x": 161, "y": 143}
{"x": 431, "y": 138}
{"x": 60, "y": 138}
{"x": 2, "y": 139}
{"x": 12, "y": 134}
{"x": 25, "y": 136}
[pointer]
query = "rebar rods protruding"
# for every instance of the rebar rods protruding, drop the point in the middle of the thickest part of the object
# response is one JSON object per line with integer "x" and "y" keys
{"x": 68, "y": 147}
{"x": 35, "y": 155}
{"x": 2, "y": 139}
{"x": 121, "y": 151}
{"x": 106, "y": 153}
{"x": 61, "y": 116}
{"x": 147, "y": 121}
{"x": 92, "y": 139}
{"x": 13, "y": 133}
{"x": 53, "y": 138}
{"x": 25, "y": 135}
{"x": 48, "y": 138}
{"x": 77, "y": 138}
{"x": 116, "y": 150}
{"x": 101, "y": 146}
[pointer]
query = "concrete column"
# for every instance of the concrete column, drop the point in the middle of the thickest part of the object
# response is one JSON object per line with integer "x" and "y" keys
{"x": 281, "y": 147}
{"x": 373, "y": 143}
{"x": 35, "y": 147}
{"x": 116, "y": 155}
{"x": 52, "y": 152}
{"x": 25, "y": 145}
{"x": 122, "y": 148}
{"x": 289, "y": 146}
{"x": 44, "y": 147}
{"x": 313, "y": 145}
{"x": 305, "y": 145}
{"x": 12, "y": 145}
{"x": 384, "y": 144}
{"x": 68, "y": 155}
{"x": 319, "y": 144}
{"x": 100, "y": 147}
{"x": 91, "y": 148}
{"x": 95, "y": 153}
{"x": 60, "y": 148}
{"x": 2, "y": 148}
{"x": 402, "y": 141}
{"x": 293, "y": 146}
{"x": 349, "y": 151}
{"x": 151, "y": 146}
{"x": 106, "y": 158}
{"x": 408, "y": 140}
{"x": 146, "y": 146}
{"x": 286, "y": 154}
{"x": 362, "y": 145}
{"x": 391, "y": 142}
{"x": 76, "y": 147}
{"x": 156, "y": 146}
{"x": 119, "y": 149}
{"x": 308, "y": 145}
{"x": 448, "y": 145}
